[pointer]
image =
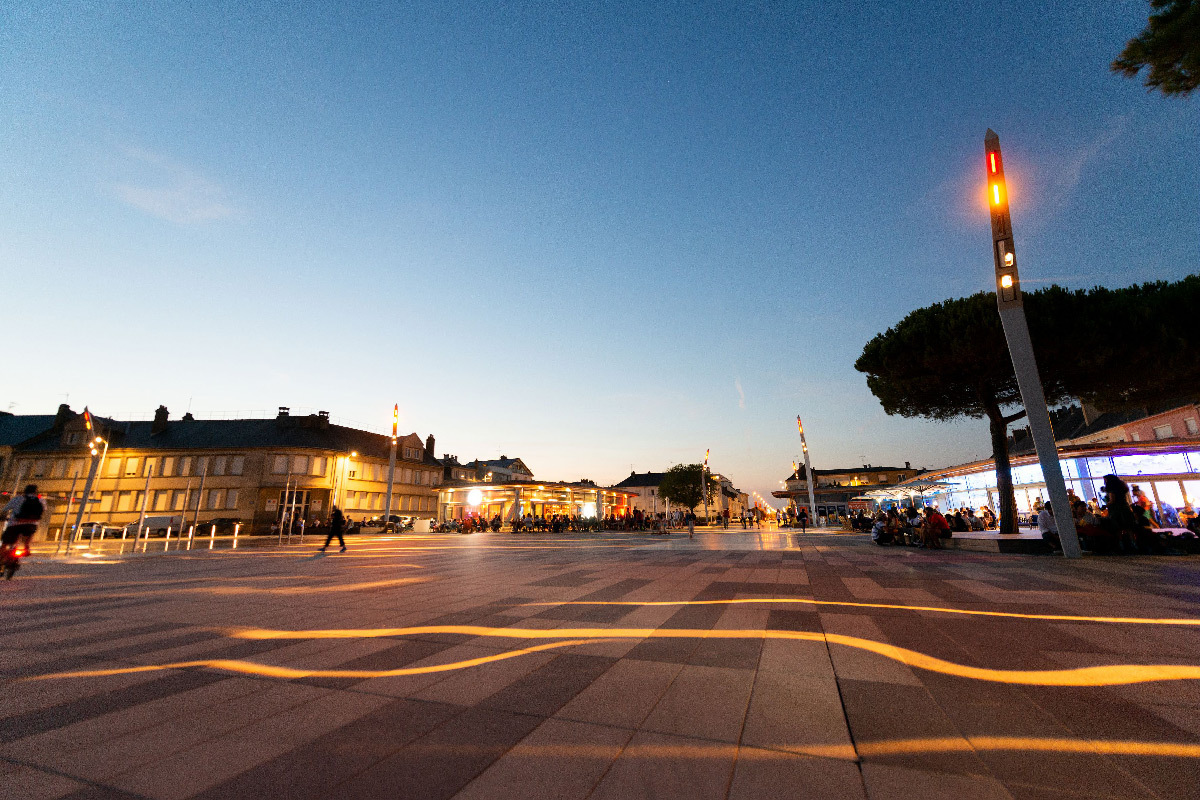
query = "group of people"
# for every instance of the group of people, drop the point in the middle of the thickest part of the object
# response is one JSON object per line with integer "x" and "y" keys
{"x": 909, "y": 526}
{"x": 1124, "y": 520}
{"x": 1121, "y": 520}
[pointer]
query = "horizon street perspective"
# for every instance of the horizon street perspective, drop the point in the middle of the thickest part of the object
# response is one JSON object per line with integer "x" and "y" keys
{"x": 653, "y": 421}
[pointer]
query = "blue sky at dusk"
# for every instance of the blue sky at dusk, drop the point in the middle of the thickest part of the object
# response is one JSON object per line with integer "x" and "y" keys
{"x": 593, "y": 236}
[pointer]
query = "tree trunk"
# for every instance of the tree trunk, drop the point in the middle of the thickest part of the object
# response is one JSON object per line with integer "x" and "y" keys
{"x": 998, "y": 423}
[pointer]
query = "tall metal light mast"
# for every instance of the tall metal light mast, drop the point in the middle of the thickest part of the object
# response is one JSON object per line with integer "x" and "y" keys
{"x": 810, "y": 478}
{"x": 1020, "y": 346}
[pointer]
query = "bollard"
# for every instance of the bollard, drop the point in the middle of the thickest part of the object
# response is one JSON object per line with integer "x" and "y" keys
{"x": 92, "y": 535}
{"x": 124, "y": 532}
{"x": 212, "y": 537}
{"x": 191, "y": 535}
{"x": 236, "y": 527}
{"x": 166, "y": 542}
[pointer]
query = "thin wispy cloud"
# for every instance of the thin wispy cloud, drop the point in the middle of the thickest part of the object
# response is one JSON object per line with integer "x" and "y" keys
{"x": 170, "y": 190}
{"x": 737, "y": 384}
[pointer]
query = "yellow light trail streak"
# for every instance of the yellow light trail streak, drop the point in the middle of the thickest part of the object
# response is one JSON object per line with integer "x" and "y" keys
{"x": 856, "y": 751}
{"x": 1106, "y": 675}
{"x": 270, "y": 671}
{"x": 244, "y": 590}
{"x": 939, "y": 609}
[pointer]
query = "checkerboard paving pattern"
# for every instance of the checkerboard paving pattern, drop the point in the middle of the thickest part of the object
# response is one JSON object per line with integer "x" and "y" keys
{"x": 716, "y": 713}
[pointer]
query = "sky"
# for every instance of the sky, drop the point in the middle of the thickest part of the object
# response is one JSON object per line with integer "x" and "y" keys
{"x": 602, "y": 237}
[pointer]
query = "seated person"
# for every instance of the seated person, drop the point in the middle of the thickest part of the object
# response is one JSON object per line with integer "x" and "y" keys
{"x": 1048, "y": 526}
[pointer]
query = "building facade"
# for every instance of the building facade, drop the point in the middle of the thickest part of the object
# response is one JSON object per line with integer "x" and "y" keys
{"x": 835, "y": 489}
{"x": 259, "y": 472}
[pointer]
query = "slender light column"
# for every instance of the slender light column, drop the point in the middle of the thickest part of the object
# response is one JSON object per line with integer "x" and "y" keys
{"x": 810, "y": 479}
{"x": 387, "y": 506}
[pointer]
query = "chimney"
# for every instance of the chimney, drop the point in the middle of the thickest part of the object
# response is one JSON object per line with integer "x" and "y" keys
{"x": 907, "y": 465}
{"x": 323, "y": 415}
{"x": 429, "y": 443}
{"x": 503, "y": 458}
{"x": 187, "y": 417}
{"x": 160, "y": 420}
{"x": 64, "y": 413}
{"x": 283, "y": 412}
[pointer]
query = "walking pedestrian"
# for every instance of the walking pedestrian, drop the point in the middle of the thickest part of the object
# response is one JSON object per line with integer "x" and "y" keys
{"x": 336, "y": 523}
{"x": 803, "y": 517}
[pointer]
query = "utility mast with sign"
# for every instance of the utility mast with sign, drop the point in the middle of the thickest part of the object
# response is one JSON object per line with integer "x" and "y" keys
{"x": 1020, "y": 346}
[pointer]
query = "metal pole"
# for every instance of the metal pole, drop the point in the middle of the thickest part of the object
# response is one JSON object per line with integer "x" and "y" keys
{"x": 1011, "y": 306}
{"x": 200, "y": 495}
{"x": 145, "y": 500}
{"x": 212, "y": 536}
{"x": 387, "y": 506}
{"x": 237, "y": 526}
{"x": 67, "y": 513}
{"x": 810, "y": 479}
{"x": 87, "y": 490}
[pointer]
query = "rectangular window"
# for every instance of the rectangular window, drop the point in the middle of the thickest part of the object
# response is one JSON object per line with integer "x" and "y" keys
{"x": 279, "y": 465}
{"x": 148, "y": 466}
{"x": 300, "y": 465}
{"x": 219, "y": 464}
{"x": 407, "y": 476}
{"x": 1190, "y": 424}
{"x": 162, "y": 500}
{"x": 106, "y": 502}
{"x": 214, "y": 498}
{"x": 179, "y": 500}
{"x": 318, "y": 466}
{"x": 113, "y": 469}
{"x": 168, "y": 467}
{"x": 1163, "y": 432}
{"x": 236, "y": 465}
{"x": 72, "y": 438}
{"x": 125, "y": 501}
{"x": 131, "y": 467}
{"x": 379, "y": 501}
{"x": 231, "y": 498}
{"x": 202, "y": 465}
{"x": 59, "y": 468}
{"x": 185, "y": 467}
{"x": 1137, "y": 437}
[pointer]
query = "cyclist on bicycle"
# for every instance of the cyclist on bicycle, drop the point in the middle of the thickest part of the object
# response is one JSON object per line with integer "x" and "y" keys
{"x": 26, "y": 512}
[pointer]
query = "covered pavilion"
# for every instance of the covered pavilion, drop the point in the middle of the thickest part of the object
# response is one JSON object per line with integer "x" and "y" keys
{"x": 459, "y": 499}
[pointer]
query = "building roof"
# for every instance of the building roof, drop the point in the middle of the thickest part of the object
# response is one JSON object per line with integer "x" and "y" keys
{"x": 18, "y": 428}
{"x": 637, "y": 480}
{"x": 308, "y": 432}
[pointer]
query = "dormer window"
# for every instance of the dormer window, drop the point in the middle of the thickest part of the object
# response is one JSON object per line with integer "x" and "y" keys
{"x": 74, "y": 437}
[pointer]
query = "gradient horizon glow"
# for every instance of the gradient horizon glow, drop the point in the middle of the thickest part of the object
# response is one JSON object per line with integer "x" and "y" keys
{"x": 595, "y": 237}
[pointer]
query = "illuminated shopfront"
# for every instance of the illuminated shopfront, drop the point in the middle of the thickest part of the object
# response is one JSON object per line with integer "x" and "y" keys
{"x": 1166, "y": 472}
{"x": 540, "y": 499}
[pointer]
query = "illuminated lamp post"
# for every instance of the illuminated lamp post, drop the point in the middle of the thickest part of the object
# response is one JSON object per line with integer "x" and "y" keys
{"x": 97, "y": 459}
{"x": 387, "y": 506}
{"x": 809, "y": 478}
{"x": 1020, "y": 346}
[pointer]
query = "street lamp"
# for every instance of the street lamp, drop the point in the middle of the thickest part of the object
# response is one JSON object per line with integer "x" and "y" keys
{"x": 98, "y": 457}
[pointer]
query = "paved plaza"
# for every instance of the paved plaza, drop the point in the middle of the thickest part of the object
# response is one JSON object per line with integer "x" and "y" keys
{"x": 736, "y": 665}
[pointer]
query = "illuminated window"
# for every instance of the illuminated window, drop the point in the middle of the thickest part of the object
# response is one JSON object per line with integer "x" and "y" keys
{"x": 131, "y": 466}
{"x": 179, "y": 500}
{"x": 1190, "y": 424}
{"x": 318, "y": 466}
{"x": 168, "y": 465}
{"x": 162, "y": 500}
{"x": 148, "y": 469}
{"x": 114, "y": 468}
